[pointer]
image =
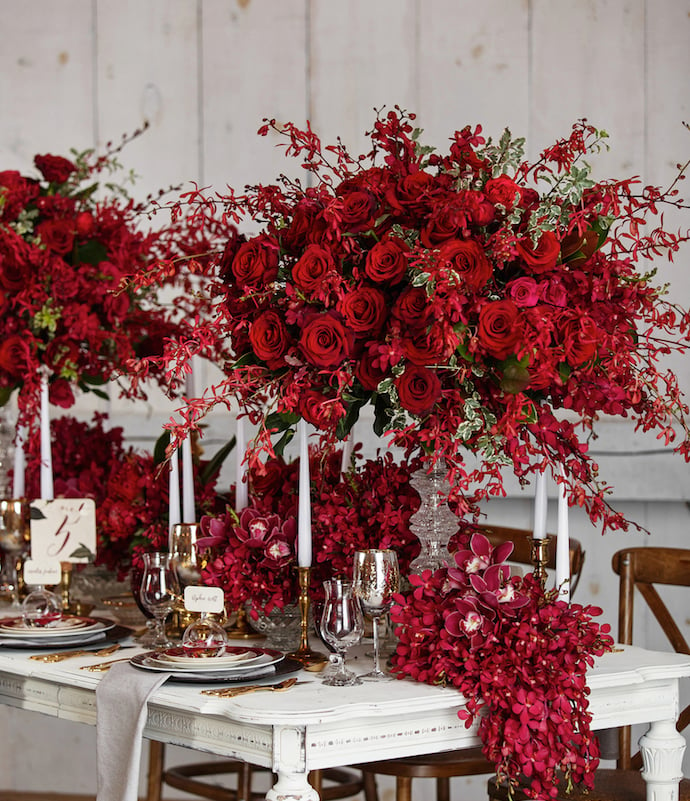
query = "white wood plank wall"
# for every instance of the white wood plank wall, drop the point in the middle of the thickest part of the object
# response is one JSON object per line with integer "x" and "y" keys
{"x": 77, "y": 73}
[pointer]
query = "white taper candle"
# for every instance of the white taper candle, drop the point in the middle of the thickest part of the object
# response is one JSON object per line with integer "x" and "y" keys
{"x": 46, "y": 451}
{"x": 18, "y": 474}
{"x": 241, "y": 488}
{"x": 304, "y": 510}
{"x": 563, "y": 543}
{"x": 188, "y": 505}
{"x": 539, "y": 531}
{"x": 174, "y": 492}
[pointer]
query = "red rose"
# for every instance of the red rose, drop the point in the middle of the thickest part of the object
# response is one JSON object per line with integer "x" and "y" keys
{"x": 418, "y": 389}
{"x": 499, "y": 328}
{"x": 60, "y": 393}
{"x": 364, "y": 310}
{"x": 503, "y": 190}
{"x": 312, "y": 267}
{"x": 580, "y": 337}
{"x": 319, "y": 410}
{"x": 14, "y": 355}
{"x": 368, "y": 370}
{"x": 412, "y": 307}
{"x": 524, "y": 291}
{"x": 325, "y": 342}
{"x": 269, "y": 339}
{"x": 356, "y": 210}
{"x": 432, "y": 345}
{"x": 542, "y": 256}
{"x": 56, "y": 235}
{"x": 411, "y": 193}
{"x": 256, "y": 263}
{"x": 387, "y": 261}
{"x": 55, "y": 169}
{"x": 467, "y": 259}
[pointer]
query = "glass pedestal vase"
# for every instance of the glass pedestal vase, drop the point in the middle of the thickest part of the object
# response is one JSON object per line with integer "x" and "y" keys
{"x": 433, "y": 523}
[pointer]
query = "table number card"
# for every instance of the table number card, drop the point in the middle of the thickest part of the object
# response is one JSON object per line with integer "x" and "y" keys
{"x": 204, "y": 599}
{"x": 63, "y": 529}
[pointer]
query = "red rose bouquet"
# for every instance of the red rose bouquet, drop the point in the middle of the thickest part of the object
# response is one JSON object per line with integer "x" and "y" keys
{"x": 479, "y": 302}
{"x": 517, "y": 654}
{"x": 66, "y": 245}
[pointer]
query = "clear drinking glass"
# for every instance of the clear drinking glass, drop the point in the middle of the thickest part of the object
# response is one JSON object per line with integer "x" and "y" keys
{"x": 14, "y": 541}
{"x": 376, "y": 580}
{"x": 342, "y": 626}
{"x": 159, "y": 591}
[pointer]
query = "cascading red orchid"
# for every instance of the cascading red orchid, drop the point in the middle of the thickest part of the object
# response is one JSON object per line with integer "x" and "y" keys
{"x": 517, "y": 654}
{"x": 65, "y": 251}
{"x": 471, "y": 298}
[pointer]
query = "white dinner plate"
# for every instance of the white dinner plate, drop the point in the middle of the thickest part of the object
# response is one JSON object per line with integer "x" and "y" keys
{"x": 265, "y": 660}
{"x": 67, "y": 627}
{"x": 176, "y": 658}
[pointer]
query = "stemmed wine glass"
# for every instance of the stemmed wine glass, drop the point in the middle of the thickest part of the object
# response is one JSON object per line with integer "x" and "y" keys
{"x": 376, "y": 580}
{"x": 14, "y": 538}
{"x": 342, "y": 626}
{"x": 159, "y": 592}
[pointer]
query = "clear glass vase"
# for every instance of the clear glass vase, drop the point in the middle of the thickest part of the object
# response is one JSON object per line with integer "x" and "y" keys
{"x": 433, "y": 523}
{"x": 7, "y": 428}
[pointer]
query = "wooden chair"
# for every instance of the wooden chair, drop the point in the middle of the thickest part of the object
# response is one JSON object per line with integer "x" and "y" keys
{"x": 641, "y": 569}
{"x": 468, "y": 762}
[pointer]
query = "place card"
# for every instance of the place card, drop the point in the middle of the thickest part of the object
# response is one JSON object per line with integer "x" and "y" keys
{"x": 63, "y": 529}
{"x": 204, "y": 599}
{"x": 42, "y": 572}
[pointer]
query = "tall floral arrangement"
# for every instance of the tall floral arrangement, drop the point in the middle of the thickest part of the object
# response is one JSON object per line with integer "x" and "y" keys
{"x": 69, "y": 236}
{"x": 479, "y": 302}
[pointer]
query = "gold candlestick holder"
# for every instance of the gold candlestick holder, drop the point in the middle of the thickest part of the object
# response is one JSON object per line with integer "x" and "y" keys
{"x": 540, "y": 557}
{"x": 304, "y": 654}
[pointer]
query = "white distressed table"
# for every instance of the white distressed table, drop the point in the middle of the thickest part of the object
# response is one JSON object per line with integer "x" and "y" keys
{"x": 313, "y": 726}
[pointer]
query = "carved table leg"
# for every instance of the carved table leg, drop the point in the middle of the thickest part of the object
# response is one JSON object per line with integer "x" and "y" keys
{"x": 292, "y": 787}
{"x": 662, "y": 756}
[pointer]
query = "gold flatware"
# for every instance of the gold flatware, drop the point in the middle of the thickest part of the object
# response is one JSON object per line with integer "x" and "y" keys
{"x": 103, "y": 666}
{"x": 60, "y": 655}
{"x": 233, "y": 692}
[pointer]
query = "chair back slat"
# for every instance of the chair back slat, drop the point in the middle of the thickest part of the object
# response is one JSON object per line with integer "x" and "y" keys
{"x": 641, "y": 568}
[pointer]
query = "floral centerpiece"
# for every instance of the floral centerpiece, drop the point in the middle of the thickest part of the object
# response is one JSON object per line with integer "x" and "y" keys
{"x": 68, "y": 238}
{"x": 128, "y": 486}
{"x": 479, "y": 302}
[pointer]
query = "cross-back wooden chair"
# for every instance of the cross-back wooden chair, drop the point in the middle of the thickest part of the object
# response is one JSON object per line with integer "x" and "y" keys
{"x": 639, "y": 569}
{"x": 471, "y": 761}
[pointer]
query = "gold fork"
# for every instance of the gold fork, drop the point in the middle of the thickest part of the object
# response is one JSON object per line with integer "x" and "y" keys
{"x": 233, "y": 692}
{"x": 60, "y": 655}
{"x": 103, "y": 666}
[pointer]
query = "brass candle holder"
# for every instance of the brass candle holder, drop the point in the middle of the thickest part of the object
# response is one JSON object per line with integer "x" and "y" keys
{"x": 304, "y": 654}
{"x": 540, "y": 557}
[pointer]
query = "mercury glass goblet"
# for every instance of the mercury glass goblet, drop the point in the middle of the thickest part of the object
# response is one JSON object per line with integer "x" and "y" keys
{"x": 376, "y": 580}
